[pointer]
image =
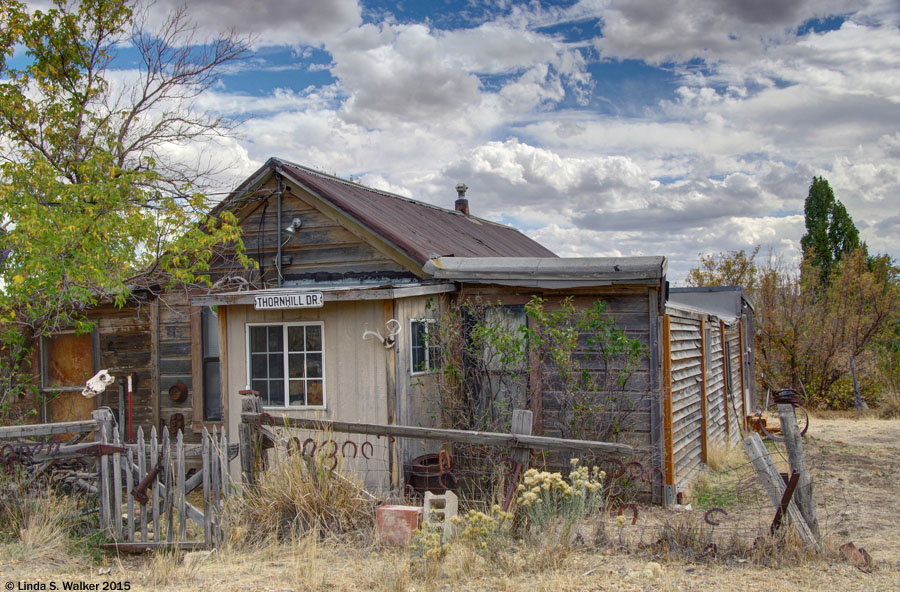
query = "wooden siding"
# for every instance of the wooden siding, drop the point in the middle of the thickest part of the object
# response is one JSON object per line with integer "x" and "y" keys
{"x": 174, "y": 355}
{"x": 715, "y": 387}
{"x": 355, "y": 370}
{"x": 322, "y": 249}
{"x": 735, "y": 391}
{"x": 686, "y": 388}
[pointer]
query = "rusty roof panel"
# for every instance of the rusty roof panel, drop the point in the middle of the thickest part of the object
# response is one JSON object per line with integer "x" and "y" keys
{"x": 418, "y": 229}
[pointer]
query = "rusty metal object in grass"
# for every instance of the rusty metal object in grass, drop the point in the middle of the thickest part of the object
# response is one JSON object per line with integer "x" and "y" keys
{"x": 634, "y": 512}
{"x": 785, "y": 500}
{"x": 708, "y": 516}
{"x": 514, "y": 473}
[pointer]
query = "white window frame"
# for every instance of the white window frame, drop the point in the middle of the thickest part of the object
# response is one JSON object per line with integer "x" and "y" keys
{"x": 284, "y": 337}
{"x": 429, "y": 368}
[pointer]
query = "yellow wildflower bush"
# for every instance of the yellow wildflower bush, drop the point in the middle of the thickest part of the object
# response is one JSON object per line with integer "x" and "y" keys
{"x": 486, "y": 534}
{"x": 555, "y": 503}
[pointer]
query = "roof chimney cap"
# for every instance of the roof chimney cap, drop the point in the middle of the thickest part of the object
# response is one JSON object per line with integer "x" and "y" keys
{"x": 461, "y": 204}
{"x": 461, "y": 190}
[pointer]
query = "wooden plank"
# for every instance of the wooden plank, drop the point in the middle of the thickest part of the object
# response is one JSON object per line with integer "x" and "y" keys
{"x": 491, "y": 438}
{"x": 143, "y": 547}
{"x": 196, "y": 351}
{"x": 205, "y": 469}
{"x": 774, "y": 485}
{"x": 521, "y": 425}
{"x": 48, "y": 429}
{"x": 215, "y": 492}
{"x": 794, "y": 444}
{"x": 744, "y": 398}
{"x": 668, "y": 441}
{"x": 179, "y": 485}
{"x": 129, "y": 485}
{"x": 704, "y": 403}
{"x": 168, "y": 490}
{"x": 102, "y": 466}
{"x": 116, "y": 513}
{"x": 155, "y": 458}
{"x": 142, "y": 472}
{"x": 154, "y": 369}
{"x": 726, "y": 386}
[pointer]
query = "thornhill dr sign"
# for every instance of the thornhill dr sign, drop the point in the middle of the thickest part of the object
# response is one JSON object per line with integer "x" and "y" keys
{"x": 297, "y": 300}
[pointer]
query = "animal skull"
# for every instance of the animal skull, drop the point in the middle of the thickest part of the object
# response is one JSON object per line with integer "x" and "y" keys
{"x": 98, "y": 384}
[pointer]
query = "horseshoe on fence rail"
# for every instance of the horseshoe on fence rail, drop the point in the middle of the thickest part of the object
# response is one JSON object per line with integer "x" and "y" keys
{"x": 362, "y": 450}
{"x": 344, "y": 447}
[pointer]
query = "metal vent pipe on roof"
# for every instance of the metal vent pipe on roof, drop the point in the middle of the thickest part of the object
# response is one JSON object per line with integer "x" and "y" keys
{"x": 462, "y": 204}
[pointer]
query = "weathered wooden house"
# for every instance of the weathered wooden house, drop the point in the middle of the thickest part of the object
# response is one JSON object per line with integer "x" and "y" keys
{"x": 342, "y": 267}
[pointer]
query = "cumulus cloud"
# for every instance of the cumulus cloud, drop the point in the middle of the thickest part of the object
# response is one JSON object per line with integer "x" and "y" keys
{"x": 273, "y": 22}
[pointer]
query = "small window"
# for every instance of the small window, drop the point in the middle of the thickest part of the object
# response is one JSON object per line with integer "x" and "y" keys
{"x": 425, "y": 353}
{"x": 286, "y": 364}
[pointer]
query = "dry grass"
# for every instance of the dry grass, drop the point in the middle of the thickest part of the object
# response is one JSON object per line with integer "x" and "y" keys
{"x": 889, "y": 408}
{"x": 721, "y": 457}
{"x": 35, "y": 521}
{"x": 297, "y": 495}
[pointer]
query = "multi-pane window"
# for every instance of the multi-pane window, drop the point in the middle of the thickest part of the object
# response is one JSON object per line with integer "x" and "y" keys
{"x": 286, "y": 364}
{"x": 425, "y": 353}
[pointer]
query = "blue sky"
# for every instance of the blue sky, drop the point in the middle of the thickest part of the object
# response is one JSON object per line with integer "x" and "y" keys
{"x": 599, "y": 127}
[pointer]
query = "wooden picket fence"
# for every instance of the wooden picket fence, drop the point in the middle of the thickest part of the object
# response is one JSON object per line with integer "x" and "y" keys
{"x": 163, "y": 520}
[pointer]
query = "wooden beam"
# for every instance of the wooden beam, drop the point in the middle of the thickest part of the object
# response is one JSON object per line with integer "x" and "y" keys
{"x": 704, "y": 403}
{"x": 726, "y": 381}
{"x": 744, "y": 397}
{"x": 154, "y": 360}
{"x": 48, "y": 429}
{"x": 774, "y": 485}
{"x": 197, "y": 393}
{"x": 794, "y": 444}
{"x": 668, "y": 438}
{"x": 334, "y": 295}
{"x": 490, "y": 438}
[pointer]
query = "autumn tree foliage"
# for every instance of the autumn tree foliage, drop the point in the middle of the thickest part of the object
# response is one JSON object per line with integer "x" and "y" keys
{"x": 839, "y": 303}
{"x": 91, "y": 206}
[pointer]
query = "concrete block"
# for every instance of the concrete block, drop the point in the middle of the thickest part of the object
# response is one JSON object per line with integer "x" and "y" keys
{"x": 439, "y": 509}
{"x": 395, "y": 524}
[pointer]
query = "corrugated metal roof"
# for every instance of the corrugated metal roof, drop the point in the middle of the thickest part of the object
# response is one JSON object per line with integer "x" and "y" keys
{"x": 418, "y": 229}
{"x": 548, "y": 272}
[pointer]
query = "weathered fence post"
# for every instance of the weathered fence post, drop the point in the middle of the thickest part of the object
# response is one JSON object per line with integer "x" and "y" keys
{"x": 521, "y": 424}
{"x": 774, "y": 485}
{"x": 794, "y": 443}
{"x": 250, "y": 403}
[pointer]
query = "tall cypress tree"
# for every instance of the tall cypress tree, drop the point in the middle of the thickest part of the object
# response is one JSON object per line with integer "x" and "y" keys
{"x": 830, "y": 231}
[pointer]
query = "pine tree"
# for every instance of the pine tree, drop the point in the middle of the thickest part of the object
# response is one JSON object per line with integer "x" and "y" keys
{"x": 830, "y": 231}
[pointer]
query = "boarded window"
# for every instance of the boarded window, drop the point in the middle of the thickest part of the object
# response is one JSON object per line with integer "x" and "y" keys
{"x": 67, "y": 364}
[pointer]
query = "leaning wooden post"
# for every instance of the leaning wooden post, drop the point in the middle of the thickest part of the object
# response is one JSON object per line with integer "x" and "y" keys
{"x": 794, "y": 443}
{"x": 774, "y": 485}
{"x": 858, "y": 401}
{"x": 250, "y": 403}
